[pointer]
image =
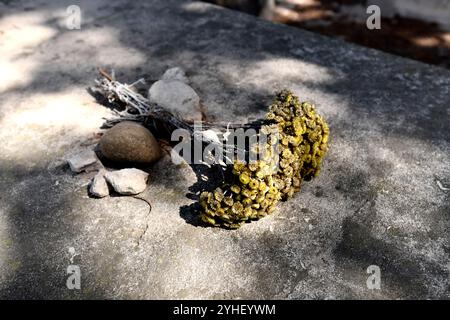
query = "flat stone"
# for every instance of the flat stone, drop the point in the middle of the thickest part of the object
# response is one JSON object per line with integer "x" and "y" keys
{"x": 82, "y": 161}
{"x": 175, "y": 73}
{"x": 127, "y": 181}
{"x": 99, "y": 187}
{"x": 177, "y": 97}
{"x": 130, "y": 142}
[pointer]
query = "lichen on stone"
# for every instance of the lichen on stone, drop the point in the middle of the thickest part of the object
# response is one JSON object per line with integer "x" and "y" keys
{"x": 297, "y": 144}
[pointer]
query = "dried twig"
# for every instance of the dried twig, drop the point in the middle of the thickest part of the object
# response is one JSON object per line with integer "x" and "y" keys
{"x": 140, "y": 109}
{"x": 441, "y": 186}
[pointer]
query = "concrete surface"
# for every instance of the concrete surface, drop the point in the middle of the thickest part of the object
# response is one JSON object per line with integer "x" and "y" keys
{"x": 377, "y": 201}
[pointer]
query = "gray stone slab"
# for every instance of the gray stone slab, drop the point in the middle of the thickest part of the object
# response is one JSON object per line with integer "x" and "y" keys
{"x": 377, "y": 201}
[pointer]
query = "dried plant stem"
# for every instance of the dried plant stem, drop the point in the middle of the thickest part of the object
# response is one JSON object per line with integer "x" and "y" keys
{"x": 140, "y": 109}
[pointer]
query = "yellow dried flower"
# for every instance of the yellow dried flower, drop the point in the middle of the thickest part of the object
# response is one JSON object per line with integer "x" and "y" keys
{"x": 299, "y": 138}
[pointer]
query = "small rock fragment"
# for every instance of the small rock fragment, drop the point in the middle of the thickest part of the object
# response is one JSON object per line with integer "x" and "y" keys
{"x": 81, "y": 161}
{"x": 177, "y": 97}
{"x": 175, "y": 73}
{"x": 99, "y": 187}
{"x": 130, "y": 142}
{"x": 127, "y": 181}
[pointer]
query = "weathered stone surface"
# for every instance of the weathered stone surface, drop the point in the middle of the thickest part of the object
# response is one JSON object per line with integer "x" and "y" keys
{"x": 99, "y": 187}
{"x": 127, "y": 181}
{"x": 82, "y": 160}
{"x": 130, "y": 142}
{"x": 175, "y": 73}
{"x": 377, "y": 201}
{"x": 177, "y": 97}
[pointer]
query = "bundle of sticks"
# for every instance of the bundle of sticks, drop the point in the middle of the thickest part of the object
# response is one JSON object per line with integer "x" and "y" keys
{"x": 132, "y": 106}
